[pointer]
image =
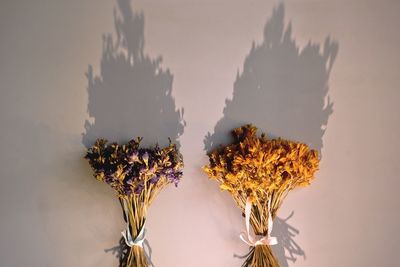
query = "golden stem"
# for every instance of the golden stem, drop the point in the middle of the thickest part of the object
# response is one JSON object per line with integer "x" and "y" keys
{"x": 136, "y": 216}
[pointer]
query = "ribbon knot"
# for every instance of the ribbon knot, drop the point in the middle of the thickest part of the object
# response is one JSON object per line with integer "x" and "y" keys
{"x": 138, "y": 240}
{"x": 247, "y": 238}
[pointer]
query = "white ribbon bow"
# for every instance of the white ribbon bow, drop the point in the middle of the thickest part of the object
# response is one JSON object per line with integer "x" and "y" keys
{"x": 257, "y": 240}
{"x": 127, "y": 232}
{"x": 128, "y": 237}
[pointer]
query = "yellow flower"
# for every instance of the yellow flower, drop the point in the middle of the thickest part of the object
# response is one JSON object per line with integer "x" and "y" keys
{"x": 255, "y": 166}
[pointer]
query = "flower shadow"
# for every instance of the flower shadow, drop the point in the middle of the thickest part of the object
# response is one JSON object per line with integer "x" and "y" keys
{"x": 283, "y": 90}
{"x": 132, "y": 94}
{"x": 287, "y": 248}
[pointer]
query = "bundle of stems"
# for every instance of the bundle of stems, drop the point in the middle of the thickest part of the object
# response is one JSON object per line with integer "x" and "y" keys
{"x": 135, "y": 212}
{"x": 135, "y": 217}
{"x": 261, "y": 254}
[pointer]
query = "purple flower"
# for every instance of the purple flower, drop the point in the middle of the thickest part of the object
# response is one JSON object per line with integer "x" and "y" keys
{"x": 128, "y": 181}
{"x": 139, "y": 188}
{"x": 138, "y": 165}
{"x": 142, "y": 170}
{"x": 133, "y": 157}
{"x": 127, "y": 190}
{"x": 174, "y": 178}
{"x": 154, "y": 179}
{"x": 168, "y": 171}
{"x": 145, "y": 158}
{"x": 109, "y": 179}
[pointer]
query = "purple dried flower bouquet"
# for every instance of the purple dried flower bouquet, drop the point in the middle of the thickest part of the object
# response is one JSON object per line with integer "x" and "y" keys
{"x": 138, "y": 175}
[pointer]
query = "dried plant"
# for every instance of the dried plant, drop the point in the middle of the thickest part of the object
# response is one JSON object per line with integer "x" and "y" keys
{"x": 137, "y": 175}
{"x": 259, "y": 173}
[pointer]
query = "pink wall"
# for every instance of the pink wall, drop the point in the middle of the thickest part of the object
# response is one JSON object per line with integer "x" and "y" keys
{"x": 53, "y": 213}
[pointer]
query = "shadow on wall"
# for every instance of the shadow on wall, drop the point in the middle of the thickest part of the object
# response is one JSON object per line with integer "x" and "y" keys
{"x": 287, "y": 249}
{"x": 283, "y": 90}
{"x": 121, "y": 252}
{"x": 132, "y": 95}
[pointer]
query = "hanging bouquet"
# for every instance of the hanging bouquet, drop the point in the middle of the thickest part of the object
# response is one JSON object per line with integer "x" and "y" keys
{"x": 259, "y": 173}
{"x": 138, "y": 175}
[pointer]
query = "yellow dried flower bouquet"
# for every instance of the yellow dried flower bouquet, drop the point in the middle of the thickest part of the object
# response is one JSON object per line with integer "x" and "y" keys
{"x": 259, "y": 173}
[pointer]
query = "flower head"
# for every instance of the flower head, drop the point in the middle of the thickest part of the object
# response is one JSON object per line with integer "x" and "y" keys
{"x": 255, "y": 167}
{"x": 130, "y": 169}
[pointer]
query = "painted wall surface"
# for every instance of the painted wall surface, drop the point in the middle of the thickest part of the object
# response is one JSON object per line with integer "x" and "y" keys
{"x": 323, "y": 72}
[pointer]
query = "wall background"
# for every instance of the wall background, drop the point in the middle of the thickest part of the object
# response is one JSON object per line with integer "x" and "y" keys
{"x": 53, "y": 213}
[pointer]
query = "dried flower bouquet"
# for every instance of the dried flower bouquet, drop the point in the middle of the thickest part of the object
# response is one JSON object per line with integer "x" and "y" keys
{"x": 259, "y": 173}
{"x": 138, "y": 175}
